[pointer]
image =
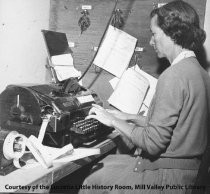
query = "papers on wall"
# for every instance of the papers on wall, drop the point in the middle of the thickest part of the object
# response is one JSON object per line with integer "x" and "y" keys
{"x": 133, "y": 92}
{"x": 116, "y": 51}
{"x": 64, "y": 68}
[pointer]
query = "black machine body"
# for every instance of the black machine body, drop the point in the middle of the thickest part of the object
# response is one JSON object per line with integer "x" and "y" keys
{"x": 22, "y": 108}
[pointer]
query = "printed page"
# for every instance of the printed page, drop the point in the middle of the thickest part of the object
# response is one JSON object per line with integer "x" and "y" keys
{"x": 152, "y": 87}
{"x": 65, "y": 72}
{"x": 62, "y": 60}
{"x": 116, "y": 51}
{"x": 129, "y": 92}
{"x": 64, "y": 67}
{"x": 114, "y": 81}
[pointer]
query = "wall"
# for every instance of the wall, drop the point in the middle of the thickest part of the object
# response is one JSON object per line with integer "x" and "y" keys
{"x": 64, "y": 16}
{"x": 22, "y": 49}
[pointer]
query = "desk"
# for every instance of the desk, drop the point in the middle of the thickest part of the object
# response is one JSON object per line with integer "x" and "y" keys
{"x": 39, "y": 179}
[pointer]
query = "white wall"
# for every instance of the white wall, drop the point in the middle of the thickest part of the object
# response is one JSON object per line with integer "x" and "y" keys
{"x": 207, "y": 29}
{"x": 22, "y": 49}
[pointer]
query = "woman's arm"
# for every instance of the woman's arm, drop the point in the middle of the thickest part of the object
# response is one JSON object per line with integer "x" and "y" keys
{"x": 121, "y": 115}
{"x": 109, "y": 119}
{"x": 133, "y": 118}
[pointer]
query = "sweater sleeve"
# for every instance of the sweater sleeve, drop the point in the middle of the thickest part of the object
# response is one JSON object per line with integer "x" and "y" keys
{"x": 162, "y": 116}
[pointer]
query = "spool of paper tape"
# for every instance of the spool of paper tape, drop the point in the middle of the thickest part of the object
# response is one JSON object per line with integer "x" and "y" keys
{"x": 14, "y": 147}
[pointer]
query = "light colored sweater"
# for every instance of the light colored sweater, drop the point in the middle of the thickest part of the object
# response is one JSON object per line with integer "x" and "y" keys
{"x": 178, "y": 116}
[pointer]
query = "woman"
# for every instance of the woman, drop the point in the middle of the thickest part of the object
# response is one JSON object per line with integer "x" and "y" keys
{"x": 173, "y": 135}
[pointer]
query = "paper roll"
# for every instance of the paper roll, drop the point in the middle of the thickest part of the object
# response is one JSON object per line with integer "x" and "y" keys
{"x": 14, "y": 147}
{"x": 16, "y": 163}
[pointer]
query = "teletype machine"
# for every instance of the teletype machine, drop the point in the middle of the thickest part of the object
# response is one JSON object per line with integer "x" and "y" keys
{"x": 43, "y": 111}
{"x": 55, "y": 113}
{"x": 27, "y": 109}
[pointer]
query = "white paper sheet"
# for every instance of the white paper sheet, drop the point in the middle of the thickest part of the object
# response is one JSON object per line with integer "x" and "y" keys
{"x": 113, "y": 82}
{"x": 65, "y": 72}
{"x": 129, "y": 92}
{"x": 116, "y": 51}
{"x": 62, "y": 60}
{"x": 64, "y": 66}
{"x": 78, "y": 154}
{"x": 46, "y": 155}
{"x": 152, "y": 85}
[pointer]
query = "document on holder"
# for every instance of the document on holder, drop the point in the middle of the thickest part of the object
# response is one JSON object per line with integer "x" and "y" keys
{"x": 62, "y": 60}
{"x": 129, "y": 92}
{"x": 115, "y": 52}
{"x": 65, "y": 72}
{"x": 152, "y": 86}
{"x": 113, "y": 82}
{"x": 64, "y": 66}
{"x": 133, "y": 92}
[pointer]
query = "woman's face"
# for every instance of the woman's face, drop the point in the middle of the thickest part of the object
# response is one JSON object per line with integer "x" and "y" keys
{"x": 159, "y": 40}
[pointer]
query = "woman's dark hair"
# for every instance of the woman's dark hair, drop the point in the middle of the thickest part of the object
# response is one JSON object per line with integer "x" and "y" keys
{"x": 180, "y": 22}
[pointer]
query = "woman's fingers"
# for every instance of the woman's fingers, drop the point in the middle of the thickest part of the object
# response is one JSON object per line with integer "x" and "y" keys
{"x": 97, "y": 106}
{"x": 91, "y": 117}
{"x": 93, "y": 111}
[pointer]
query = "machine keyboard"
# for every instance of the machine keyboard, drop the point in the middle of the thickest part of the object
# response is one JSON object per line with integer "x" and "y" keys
{"x": 85, "y": 126}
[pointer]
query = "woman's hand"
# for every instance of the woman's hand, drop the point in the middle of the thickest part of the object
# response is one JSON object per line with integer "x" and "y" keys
{"x": 118, "y": 114}
{"x": 107, "y": 118}
{"x": 99, "y": 113}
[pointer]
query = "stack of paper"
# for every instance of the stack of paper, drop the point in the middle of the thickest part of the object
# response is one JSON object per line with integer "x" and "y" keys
{"x": 64, "y": 67}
